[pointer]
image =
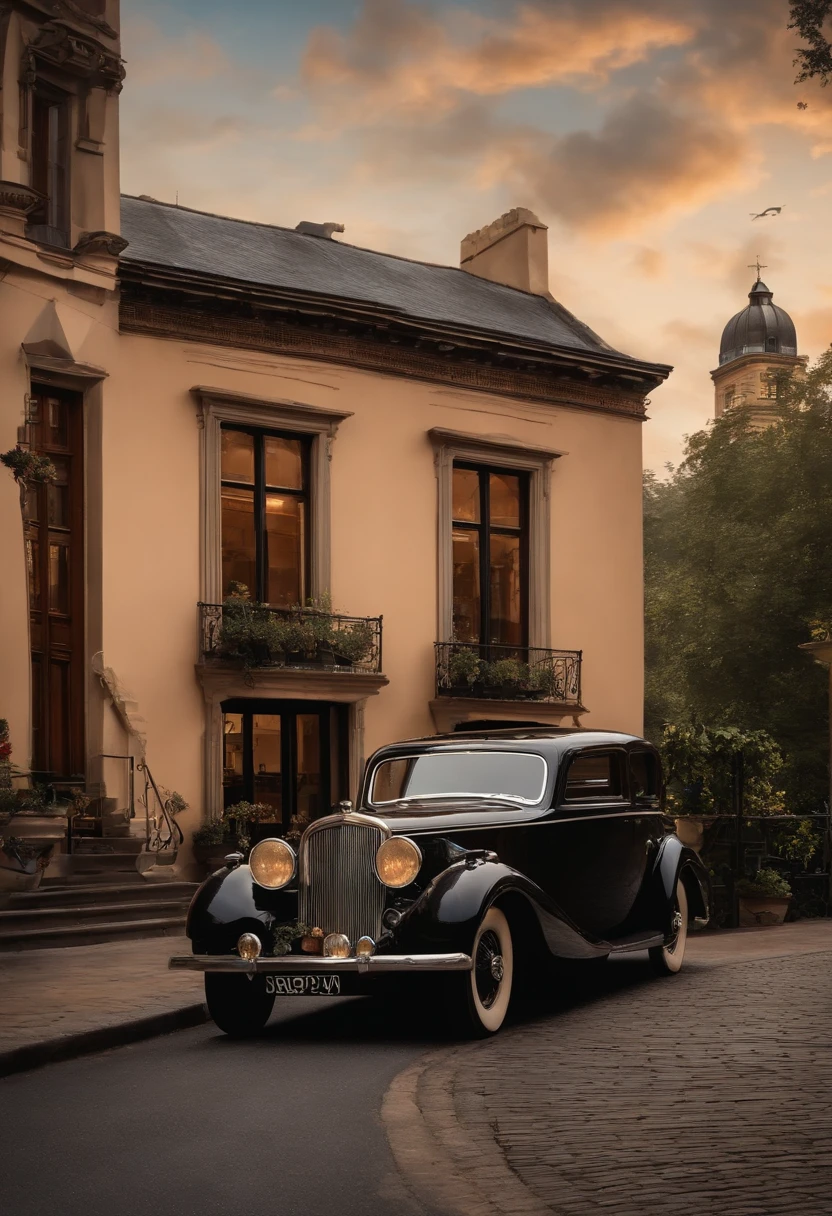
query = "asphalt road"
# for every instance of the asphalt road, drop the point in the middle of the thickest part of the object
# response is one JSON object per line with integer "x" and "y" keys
{"x": 195, "y": 1123}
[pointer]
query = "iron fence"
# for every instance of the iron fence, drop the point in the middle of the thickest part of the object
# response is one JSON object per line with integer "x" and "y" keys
{"x": 256, "y": 635}
{"x": 508, "y": 673}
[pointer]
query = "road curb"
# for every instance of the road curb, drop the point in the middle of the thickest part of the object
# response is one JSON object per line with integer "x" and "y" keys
{"x": 441, "y": 1162}
{"x": 70, "y": 1046}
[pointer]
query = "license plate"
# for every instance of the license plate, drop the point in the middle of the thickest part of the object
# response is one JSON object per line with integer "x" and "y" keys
{"x": 303, "y": 985}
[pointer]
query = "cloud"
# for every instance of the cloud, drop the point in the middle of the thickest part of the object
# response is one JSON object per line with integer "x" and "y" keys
{"x": 645, "y": 160}
{"x": 419, "y": 87}
{"x": 399, "y": 57}
{"x": 154, "y": 56}
{"x": 649, "y": 263}
{"x": 172, "y": 127}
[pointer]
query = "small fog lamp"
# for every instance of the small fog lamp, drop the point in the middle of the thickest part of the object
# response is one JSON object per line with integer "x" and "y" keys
{"x": 248, "y": 947}
{"x": 364, "y": 947}
{"x": 398, "y": 861}
{"x": 336, "y": 945}
{"x": 272, "y": 863}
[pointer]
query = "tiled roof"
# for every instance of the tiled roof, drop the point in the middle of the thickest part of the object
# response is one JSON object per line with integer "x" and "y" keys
{"x": 165, "y": 235}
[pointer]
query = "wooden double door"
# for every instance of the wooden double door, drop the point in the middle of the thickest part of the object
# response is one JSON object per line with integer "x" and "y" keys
{"x": 54, "y": 537}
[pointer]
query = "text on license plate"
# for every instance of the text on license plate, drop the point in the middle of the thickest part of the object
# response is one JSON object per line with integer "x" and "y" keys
{"x": 303, "y": 985}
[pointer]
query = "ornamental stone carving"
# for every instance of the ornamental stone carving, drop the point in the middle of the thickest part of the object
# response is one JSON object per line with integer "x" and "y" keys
{"x": 59, "y": 46}
{"x": 101, "y": 244}
{"x": 18, "y": 200}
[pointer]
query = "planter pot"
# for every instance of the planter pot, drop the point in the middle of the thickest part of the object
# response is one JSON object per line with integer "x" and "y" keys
{"x": 691, "y": 832}
{"x": 756, "y": 910}
{"x": 21, "y": 868}
{"x": 263, "y": 831}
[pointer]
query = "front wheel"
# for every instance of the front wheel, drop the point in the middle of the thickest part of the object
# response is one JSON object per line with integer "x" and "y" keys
{"x": 478, "y": 999}
{"x": 239, "y": 1005}
{"x": 668, "y": 959}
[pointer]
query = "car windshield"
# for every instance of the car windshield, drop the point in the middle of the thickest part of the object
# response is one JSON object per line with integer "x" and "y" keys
{"x": 515, "y": 776}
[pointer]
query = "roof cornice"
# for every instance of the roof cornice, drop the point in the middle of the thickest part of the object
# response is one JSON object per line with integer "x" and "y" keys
{"x": 178, "y": 290}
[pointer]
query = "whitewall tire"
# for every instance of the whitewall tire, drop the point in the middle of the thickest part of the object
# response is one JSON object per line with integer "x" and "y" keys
{"x": 668, "y": 959}
{"x": 480, "y": 997}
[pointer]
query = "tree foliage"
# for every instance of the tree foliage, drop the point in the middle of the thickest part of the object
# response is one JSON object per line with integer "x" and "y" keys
{"x": 738, "y": 570}
{"x": 813, "y": 21}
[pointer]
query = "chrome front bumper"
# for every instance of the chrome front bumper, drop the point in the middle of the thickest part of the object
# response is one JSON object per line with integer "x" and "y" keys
{"x": 293, "y": 964}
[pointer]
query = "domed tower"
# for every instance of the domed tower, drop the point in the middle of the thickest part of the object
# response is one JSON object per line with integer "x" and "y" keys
{"x": 756, "y": 345}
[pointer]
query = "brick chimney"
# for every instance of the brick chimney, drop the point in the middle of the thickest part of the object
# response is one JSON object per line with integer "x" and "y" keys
{"x": 513, "y": 250}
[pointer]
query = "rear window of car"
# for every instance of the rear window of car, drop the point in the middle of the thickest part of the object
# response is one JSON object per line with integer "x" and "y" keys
{"x": 593, "y": 776}
{"x": 644, "y": 776}
{"x": 517, "y": 776}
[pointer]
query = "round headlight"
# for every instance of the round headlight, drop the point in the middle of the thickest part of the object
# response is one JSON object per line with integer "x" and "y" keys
{"x": 398, "y": 861}
{"x": 272, "y": 863}
{"x": 364, "y": 947}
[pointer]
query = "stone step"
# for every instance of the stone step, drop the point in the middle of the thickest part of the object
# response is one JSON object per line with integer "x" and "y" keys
{"x": 93, "y": 878}
{"x": 79, "y": 914}
{"x": 74, "y": 895}
{"x": 104, "y": 846}
{"x": 102, "y": 863}
{"x": 89, "y": 934}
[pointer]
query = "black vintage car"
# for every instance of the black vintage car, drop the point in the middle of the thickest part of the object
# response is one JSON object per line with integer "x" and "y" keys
{"x": 476, "y": 856}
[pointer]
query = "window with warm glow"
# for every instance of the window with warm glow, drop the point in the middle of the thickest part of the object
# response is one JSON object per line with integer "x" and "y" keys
{"x": 490, "y": 548}
{"x": 265, "y": 515}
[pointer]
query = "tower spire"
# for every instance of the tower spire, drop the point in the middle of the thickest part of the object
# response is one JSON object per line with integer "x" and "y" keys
{"x": 758, "y": 266}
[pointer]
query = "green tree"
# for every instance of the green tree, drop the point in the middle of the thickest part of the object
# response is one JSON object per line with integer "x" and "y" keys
{"x": 738, "y": 568}
{"x": 813, "y": 21}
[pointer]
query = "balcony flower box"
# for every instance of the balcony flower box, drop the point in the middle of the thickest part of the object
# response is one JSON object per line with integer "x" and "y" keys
{"x": 258, "y": 635}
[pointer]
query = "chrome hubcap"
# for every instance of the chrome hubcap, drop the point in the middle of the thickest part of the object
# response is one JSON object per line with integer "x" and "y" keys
{"x": 488, "y": 968}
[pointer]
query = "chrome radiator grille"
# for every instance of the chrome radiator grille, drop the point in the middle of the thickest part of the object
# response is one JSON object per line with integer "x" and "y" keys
{"x": 338, "y": 888}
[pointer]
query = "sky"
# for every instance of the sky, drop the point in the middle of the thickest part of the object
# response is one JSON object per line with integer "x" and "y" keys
{"x": 644, "y": 133}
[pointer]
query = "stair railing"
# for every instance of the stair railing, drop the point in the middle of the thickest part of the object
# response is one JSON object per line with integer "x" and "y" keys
{"x": 162, "y": 832}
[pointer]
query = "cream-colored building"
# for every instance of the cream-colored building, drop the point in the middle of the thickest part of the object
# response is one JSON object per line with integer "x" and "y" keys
{"x": 446, "y": 452}
{"x": 758, "y": 344}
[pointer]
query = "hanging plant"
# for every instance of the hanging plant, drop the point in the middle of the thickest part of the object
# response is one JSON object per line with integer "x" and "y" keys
{"x": 28, "y": 468}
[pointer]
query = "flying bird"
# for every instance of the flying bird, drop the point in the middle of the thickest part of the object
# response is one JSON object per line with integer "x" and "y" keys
{"x": 768, "y": 211}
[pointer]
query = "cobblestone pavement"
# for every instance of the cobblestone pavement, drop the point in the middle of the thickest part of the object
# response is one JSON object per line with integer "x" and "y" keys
{"x": 706, "y": 1093}
{"x": 47, "y": 994}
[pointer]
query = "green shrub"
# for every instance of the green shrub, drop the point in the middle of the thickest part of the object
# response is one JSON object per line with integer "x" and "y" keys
{"x": 766, "y": 884}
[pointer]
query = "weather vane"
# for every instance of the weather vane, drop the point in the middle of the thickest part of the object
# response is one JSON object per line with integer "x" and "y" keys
{"x": 758, "y": 266}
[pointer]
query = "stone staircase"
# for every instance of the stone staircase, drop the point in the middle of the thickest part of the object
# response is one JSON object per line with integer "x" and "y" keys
{"x": 96, "y": 894}
{"x": 91, "y": 911}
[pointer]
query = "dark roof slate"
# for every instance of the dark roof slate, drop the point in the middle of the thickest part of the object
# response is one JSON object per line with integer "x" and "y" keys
{"x": 165, "y": 235}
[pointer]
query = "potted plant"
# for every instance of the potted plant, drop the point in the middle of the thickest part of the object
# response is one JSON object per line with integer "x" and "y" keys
{"x": 232, "y": 833}
{"x": 212, "y": 843}
{"x": 248, "y": 632}
{"x": 464, "y": 669}
{"x": 510, "y": 679}
{"x": 764, "y": 899}
{"x": 30, "y": 826}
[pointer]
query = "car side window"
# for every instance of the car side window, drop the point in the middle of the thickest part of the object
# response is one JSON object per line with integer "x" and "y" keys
{"x": 594, "y": 777}
{"x": 644, "y": 777}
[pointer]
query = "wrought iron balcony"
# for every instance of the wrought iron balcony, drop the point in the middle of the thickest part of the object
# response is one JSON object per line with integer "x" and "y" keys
{"x": 255, "y": 635}
{"x": 508, "y": 673}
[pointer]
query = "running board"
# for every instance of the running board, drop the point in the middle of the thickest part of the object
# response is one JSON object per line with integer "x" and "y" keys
{"x": 636, "y": 941}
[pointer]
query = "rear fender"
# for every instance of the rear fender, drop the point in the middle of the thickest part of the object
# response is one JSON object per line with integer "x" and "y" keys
{"x": 676, "y": 861}
{"x": 229, "y": 903}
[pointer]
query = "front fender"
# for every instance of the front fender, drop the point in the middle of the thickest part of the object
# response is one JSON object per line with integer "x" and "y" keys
{"x": 447, "y": 915}
{"x": 676, "y": 861}
{"x": 229, "y": 903}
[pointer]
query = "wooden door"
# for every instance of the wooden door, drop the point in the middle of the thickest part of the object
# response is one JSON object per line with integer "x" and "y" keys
{"x": 54, "y": 530}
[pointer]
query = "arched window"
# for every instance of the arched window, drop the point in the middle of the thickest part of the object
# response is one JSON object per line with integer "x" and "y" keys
{"x": 771, "y": 344}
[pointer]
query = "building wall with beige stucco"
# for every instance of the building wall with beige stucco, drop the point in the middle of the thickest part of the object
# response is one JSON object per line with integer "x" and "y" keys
{"x": 383, "y": 533}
